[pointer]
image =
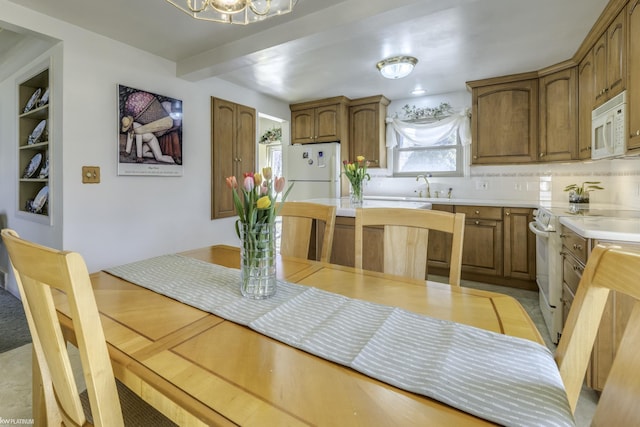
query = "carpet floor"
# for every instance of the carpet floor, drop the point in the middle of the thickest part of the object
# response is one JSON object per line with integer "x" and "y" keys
{"x": 14, "y": 331}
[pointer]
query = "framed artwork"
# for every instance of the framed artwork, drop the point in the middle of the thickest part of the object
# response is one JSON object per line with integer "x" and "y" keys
{"x": 149, "y": 133}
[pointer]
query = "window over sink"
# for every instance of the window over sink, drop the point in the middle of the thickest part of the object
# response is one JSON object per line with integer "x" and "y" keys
{"x": 438, "y": 148}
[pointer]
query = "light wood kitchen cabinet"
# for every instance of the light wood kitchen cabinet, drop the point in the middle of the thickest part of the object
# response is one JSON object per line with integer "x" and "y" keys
{"x": 633, "y": 82}
{"x": 609, "y": 54}
{"x": 482, "y": 251}
{"x": 233, "y": 151}
{"x": 519, "y": 244}
{"x": 34, "y": 147}
{"x": 319, "y": 121}
{"x": 367, "y": 130}
{"x": 586, "y": 100}
{"x": 558, "y": 116}
{"x": 504, "y": 121}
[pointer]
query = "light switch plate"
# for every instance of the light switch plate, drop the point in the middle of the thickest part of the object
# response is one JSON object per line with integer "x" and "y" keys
{"x": 91, "y": 174}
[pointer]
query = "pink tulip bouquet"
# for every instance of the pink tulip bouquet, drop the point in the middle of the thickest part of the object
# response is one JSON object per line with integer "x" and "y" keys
{"x": 255, "y": 201}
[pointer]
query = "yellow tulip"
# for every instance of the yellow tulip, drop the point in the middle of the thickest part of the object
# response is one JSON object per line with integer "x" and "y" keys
{"x": 267, "y": 173}
{"x": 263, "y": 202}
{"x": 257, "y": 178}
{"x": 360, "y": 159}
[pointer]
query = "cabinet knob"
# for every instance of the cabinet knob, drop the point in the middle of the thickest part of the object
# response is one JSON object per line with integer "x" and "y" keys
{"x": 475, "y": 157}
{"x": 477, "y": 212}
{"x": 541, "y": 154}
{"x": 507, "y": 213}
{"x": 477, "y": 222}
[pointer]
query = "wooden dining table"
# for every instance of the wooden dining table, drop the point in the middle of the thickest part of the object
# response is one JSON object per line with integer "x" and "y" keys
{"x": 200, "y": 369}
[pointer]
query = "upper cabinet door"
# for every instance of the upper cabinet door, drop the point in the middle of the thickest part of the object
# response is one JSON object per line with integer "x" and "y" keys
{"x": 633, "y": 83}
{"x": 586, "y": 99}
{"x": 303, "y": 126}
{"x": 616, "y": 55}
{"x": 559, "y": 116}
{"x": 327, "y": 123}
{"x": 600, "y": 69}
{"x": 610, "y": 60}
{"x": 504, "y": 122}
{"x": 367, "y": 128}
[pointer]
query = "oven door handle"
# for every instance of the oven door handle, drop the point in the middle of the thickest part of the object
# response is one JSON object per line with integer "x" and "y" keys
{"x": 533, "y": 226}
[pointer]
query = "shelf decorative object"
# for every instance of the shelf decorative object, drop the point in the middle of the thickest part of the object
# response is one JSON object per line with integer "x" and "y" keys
{"x": 34, "y": 144}
{"x": 580, "y": 193}
{"x": 255, "y": 226}
{"x": 271, "y": 136}
{"x": 356, "y": 173}
{"x": 421, "y": 113}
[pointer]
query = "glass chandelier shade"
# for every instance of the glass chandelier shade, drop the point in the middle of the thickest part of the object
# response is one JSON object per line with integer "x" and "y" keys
{"x": 241, "y": 12}
{"x": 396, "y": 67}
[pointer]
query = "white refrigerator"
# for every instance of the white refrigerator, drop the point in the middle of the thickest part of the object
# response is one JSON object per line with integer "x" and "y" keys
{"x": 314, "y": 170}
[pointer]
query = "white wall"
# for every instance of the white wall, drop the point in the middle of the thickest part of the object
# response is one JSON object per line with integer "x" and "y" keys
{"x": 124, "y": 218}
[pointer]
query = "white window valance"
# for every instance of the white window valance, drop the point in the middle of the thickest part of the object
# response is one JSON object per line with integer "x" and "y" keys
{"x": 430, "y": 134}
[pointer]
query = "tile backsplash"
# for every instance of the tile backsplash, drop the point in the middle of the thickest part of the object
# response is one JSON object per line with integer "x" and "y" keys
{"x": 619, "y": 177}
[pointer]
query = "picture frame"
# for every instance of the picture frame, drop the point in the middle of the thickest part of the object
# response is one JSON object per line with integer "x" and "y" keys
{"x": 149, "y": 133}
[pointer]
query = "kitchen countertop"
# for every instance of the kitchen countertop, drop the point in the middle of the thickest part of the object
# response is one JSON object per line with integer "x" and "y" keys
{"x": 605, "y": 228}
{"x": 345, "y": 208}
{"x": 472, "y": 202}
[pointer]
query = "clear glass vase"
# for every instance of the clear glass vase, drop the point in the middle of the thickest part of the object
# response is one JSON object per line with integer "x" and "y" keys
{"x": 258, "y": 260}
{"x": 355, "y": 194}
{"x": 578, "y": 198}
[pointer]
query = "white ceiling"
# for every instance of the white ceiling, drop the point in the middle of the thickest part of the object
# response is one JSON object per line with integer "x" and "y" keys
{"x": 330, "y": 47}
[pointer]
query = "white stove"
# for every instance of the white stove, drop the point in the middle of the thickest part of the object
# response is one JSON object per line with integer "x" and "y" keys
{"x": 546, "y": 227}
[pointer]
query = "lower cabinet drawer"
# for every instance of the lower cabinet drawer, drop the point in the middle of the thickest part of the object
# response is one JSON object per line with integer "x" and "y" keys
{"x": 575, "y": 244}
{"x": 571, "y": 272}
{"x": 567, "y": 300}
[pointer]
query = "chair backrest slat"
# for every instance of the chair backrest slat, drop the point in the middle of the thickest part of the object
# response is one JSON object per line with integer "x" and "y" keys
{"x": 297, "y": 221}
{"x": 406, "y": 239}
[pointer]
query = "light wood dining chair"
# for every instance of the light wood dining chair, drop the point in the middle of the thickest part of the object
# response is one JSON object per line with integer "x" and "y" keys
{"x": 39, "y": 272}
{"x": 610, "y": 268}
{"x": 406, "y": 238}
{"x": 297, "y": 223}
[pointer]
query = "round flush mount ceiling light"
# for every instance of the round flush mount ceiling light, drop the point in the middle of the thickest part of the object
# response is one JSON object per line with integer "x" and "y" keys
{"x": 396, "y": 67}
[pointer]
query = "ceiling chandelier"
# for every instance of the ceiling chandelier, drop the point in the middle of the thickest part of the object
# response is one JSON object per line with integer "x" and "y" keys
{"x": 241, "y": 12}
{"x": 396, "y": 67}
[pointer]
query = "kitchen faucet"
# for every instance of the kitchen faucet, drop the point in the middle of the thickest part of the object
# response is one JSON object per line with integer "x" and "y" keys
{"x": 428, "y": 196}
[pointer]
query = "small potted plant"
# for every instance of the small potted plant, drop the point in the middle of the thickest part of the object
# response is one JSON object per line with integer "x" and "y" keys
{"x": 580, "y": 193}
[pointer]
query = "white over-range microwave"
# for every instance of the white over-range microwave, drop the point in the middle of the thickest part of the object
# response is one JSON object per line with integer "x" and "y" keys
{"x": 609, "y": 128}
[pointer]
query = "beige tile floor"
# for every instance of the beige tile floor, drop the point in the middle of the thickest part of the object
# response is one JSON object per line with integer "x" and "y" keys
{"x": 15, "y": 389}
